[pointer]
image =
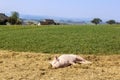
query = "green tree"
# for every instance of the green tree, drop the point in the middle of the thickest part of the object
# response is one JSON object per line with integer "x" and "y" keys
{"x": 111, "y": 22}
{"x": 14, "y": 18}
{"x": 15, "y": 15}
{"x": 96, "y": 21}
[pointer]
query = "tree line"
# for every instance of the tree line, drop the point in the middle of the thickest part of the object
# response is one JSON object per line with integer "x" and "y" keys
{"x": 98, "y": 21}
{"x": 15, "y": 20}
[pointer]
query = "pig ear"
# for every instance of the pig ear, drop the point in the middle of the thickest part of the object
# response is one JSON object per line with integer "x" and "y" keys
{"x": 56, "y": 58}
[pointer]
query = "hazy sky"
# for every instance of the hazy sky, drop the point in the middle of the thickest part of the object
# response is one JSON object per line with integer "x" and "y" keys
{"x": 105, "y": 9}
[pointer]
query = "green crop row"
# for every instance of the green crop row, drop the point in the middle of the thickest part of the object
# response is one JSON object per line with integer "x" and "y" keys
{"x": 84, "y": 39}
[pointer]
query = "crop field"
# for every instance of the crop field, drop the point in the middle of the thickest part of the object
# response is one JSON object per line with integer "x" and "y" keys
{"x": 82, "y": 39}
{"x": 25, "y": 52}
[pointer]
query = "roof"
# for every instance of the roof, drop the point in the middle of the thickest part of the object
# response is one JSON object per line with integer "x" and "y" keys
{"x": 3, "y": 16}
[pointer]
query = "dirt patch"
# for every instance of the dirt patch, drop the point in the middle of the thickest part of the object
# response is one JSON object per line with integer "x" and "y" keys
{"x": 35, "y": 66}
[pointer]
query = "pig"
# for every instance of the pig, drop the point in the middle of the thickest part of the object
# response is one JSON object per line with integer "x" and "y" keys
{"x": 67, "y": 60}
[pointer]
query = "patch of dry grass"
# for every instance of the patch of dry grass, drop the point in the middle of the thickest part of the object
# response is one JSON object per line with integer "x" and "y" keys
{"x": 35, "y": 66}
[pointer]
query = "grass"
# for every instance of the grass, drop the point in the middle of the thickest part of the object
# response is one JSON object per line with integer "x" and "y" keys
{"x": 85, "y": 39}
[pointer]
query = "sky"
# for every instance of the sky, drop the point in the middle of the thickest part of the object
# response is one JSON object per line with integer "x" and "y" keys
{"x": 104, "y": 9}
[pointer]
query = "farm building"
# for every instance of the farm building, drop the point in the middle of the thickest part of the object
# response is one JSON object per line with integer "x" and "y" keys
{"x": 3, "y": 19}
{"x": 47, "y": 22}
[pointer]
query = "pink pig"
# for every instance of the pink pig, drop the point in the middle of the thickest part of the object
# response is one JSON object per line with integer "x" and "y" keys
{"x": 67, "y": 60}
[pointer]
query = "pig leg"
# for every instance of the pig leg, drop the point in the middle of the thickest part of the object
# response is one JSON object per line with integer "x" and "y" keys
{"x": 72, "y": 63}
{"x": 82, "y": 61}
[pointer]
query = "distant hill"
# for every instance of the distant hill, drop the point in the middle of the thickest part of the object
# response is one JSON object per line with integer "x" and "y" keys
{"x": 31, "y": 17}
{"x": 57, "y": 19}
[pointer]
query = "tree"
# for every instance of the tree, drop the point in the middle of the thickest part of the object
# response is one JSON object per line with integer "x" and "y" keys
{"x": 15, "y": 15}
{"x": 96, "y": 21}
{"x": 14, "y": 18}
{"x": 19, "y": 21}
{"x": 111, "y": 22}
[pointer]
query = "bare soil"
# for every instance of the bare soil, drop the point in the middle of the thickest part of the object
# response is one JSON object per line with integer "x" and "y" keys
{"x": 35, "y": 66}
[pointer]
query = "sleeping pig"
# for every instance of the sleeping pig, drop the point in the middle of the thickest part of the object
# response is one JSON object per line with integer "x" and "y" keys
{"x": 67, "y": 60}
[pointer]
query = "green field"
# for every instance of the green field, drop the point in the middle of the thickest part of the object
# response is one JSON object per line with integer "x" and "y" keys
{"x": 84, "y": 39}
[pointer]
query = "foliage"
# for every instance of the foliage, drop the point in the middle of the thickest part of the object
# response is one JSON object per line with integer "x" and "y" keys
{"x": 15, "y": 15}
{"x": 61, "y": 39}
{"x": 111, "y": 22}
{"x": 14, "y": 18}
{"x": 96, "y": 21}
